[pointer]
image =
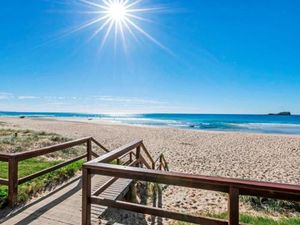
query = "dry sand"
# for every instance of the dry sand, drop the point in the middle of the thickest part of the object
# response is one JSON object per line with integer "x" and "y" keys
{"x": 261, "y": 157}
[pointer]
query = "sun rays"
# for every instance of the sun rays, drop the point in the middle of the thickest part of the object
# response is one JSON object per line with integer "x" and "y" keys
{"x": 118, "y": 20}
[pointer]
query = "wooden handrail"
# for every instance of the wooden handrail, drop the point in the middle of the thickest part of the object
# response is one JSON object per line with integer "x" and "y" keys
{"x": 50, "y": 149}
{"x": 113, "y": 155}
{"x": 234, "y": 187}
{"x": 147, "y": 153}
{"x": 14, "y": 158}
{"x": 162, "y": 162}
{"x": 3, "y": 181}
{"x": 221, "y": 184}
{"x": 4, "y": 157}
{"x": 99, "y": 145}
{"x": 95, "y": 154}
{"x": 143, "y": 161}
{"x": 156, "y": 211}
{"x": 50, "y": 169}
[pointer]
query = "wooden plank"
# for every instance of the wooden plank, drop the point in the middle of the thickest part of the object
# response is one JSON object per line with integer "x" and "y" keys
{"x": 64, "y": 204}
{"x": 105, "y": 186}
{"x": 156, "y": 211}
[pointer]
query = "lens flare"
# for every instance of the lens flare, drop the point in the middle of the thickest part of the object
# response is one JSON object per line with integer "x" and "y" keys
{"x": 119, "y": 18}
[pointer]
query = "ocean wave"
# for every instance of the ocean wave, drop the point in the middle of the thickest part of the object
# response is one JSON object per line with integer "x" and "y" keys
{"x": 142, "y": 121}
{"x": 269, "y": 125}
{"x": 240, "y": 123}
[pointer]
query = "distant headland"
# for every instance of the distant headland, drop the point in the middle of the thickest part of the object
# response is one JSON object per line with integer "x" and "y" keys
{"x": 280, "y": 114}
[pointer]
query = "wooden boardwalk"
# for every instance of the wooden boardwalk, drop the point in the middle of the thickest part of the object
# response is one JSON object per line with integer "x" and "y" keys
{"x": 63, "y": 206}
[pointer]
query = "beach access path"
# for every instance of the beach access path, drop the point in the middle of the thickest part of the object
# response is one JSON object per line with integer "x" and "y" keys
{"x": 63, "y": 206}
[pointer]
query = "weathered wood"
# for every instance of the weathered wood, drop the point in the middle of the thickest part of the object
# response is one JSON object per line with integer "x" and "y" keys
{"x": 3, "y": 181}
{"x": 4, "y": 157}
{"x": 14, "y": 158}
{"x": 254, "y": 188}
{"x": 105, "y": 186}
{"x": 99, "y": 145}
{"x": 95, "y": 154}
{"x": 148, "y": 155}
{"x": 64, "y": 205}
{"x": 142, "y": 159}
{"x": 233, "y": 206}
{"x": 86, "y": 195}
{"x": 50, "y": 169}
{"x": 12, "y": 181}
{"x": 164, "y": 162}
{"x": 89, "y": 149}
{"x": 156, "y": 211}
{"x": 112, "y": 155}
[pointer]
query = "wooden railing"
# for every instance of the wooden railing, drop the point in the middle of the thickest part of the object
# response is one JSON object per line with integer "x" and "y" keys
{"x": 13, "y": 160}
{"x": 132, "y": 169}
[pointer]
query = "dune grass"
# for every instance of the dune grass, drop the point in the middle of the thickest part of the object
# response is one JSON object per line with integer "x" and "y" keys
{"x": 254, "y": 220}
{"x": 271, "y": 205}
{"x": 14, "y": 140}
{"x": 28, "y": 166}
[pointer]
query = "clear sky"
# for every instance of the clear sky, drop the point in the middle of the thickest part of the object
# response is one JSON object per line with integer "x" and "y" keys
{"x": 213, "y": 56}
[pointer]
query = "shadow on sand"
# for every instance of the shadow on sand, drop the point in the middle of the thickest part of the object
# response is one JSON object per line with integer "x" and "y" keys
{"x": 140, "y": 194}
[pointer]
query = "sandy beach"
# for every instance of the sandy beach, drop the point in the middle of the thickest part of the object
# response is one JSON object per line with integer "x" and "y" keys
{"x": 262, "y": 157}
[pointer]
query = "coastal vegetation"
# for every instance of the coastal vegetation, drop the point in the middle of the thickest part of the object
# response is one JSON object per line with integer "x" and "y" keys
{"x": 272, "y": 205}
{"x": 16, "y": 140}
{"x": 254, "y": 220}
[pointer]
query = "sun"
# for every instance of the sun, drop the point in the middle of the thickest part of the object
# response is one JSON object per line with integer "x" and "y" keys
{"x": 119, "y": 19}
{"x": 117, "y": 12}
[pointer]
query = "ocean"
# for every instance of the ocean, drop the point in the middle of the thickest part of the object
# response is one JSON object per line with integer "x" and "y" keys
{"x": 214, "y": 122}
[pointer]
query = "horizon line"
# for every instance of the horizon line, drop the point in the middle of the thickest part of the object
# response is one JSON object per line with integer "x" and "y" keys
{"x": 141, "y": 113}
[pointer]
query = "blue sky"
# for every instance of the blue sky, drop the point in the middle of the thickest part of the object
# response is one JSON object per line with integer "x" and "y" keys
{"x": 222, "y": 57}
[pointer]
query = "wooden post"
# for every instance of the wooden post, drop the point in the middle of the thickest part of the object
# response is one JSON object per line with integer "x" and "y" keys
{"x": 233, "y": 206}
{"x": 89, "y": 149}
{"x": 138, "y": 153}
{"x": 130, "y": 156}
{"x": 86, "y": 195}
{"x": 13, "y": 181}
{"x": 160, "y": 163}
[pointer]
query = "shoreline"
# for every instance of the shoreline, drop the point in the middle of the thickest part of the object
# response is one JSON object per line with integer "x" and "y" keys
{"x": 118, "y": 123}
{"x": 261, "y": 124}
